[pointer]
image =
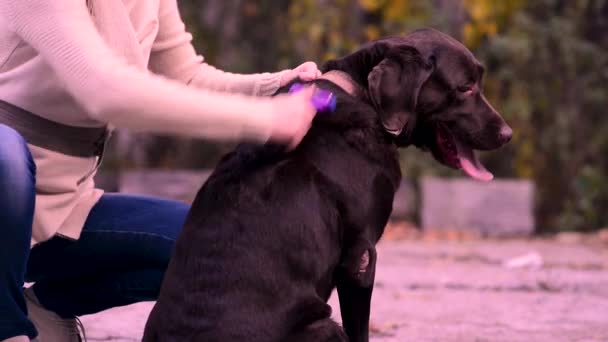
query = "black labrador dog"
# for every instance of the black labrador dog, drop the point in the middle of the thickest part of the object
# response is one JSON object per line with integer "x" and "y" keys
{"x": 272, "y": 233}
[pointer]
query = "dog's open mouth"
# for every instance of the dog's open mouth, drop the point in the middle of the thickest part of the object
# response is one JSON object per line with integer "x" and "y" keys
{"x": 448, "y": 150}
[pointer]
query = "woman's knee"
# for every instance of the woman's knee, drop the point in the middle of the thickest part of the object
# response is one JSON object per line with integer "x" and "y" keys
{"x": 144, "y": 227}
{"x": 175, "y": 214}
{"x": 15, "y": 157}
{"x": 17, "y": 173}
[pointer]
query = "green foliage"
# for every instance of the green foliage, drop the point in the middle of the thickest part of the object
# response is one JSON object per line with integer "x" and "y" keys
{"x": 547, "y": 73}
{"x": 550, "y": 83}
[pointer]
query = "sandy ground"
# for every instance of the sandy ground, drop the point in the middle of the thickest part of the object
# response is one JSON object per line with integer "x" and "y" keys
{"x": 475, "y": 290}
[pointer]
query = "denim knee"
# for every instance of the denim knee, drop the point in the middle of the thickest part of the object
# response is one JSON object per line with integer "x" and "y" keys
{"x": 17, "y": 175}
{"x": 17, "y": 199}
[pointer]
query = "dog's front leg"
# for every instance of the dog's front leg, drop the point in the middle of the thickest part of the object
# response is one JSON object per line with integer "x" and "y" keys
{"x": 355, "y": 283}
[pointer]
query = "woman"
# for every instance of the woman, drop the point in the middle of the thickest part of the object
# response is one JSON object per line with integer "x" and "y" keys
{"x": 70, "y": 71}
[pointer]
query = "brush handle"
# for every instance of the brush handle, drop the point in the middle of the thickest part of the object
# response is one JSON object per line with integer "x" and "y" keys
{"x": 322, "y": 100}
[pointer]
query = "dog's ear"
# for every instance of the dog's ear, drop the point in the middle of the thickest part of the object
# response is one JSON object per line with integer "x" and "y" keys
{"x": 394, "y": 85}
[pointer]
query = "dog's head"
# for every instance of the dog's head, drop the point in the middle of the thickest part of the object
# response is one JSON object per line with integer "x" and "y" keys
{"x": 426, "y": 88}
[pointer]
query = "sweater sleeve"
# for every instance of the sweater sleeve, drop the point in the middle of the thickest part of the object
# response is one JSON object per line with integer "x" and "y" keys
{"x": 174, "y": 56}
{"x": 111, "y": 91}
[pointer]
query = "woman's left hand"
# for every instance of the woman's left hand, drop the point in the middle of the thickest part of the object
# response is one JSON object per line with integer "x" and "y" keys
{"x": 307, "y": 71}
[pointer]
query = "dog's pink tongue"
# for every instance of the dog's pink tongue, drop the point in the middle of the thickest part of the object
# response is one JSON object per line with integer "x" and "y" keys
{"x": 471, "y": 165}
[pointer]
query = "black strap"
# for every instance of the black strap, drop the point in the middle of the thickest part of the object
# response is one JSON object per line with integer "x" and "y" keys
{"x": 51, "y": 135}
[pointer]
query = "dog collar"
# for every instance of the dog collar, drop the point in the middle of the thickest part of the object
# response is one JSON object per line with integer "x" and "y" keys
{"x": 343, "y": 80}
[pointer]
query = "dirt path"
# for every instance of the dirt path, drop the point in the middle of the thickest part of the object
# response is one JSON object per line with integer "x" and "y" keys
{"x": 515, "y": 290}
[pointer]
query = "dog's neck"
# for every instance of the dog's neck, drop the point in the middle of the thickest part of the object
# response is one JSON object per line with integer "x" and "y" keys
{"x": 347, "y": 83}
{"x": 375, "y": 144}
{"x": 344, "y": 81}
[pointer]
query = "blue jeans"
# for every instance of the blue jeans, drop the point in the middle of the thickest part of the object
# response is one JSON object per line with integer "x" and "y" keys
{"x": 119, "y": 259}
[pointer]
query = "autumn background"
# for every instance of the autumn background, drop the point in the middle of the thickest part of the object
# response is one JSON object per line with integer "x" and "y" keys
{"x": 547, "y": 73}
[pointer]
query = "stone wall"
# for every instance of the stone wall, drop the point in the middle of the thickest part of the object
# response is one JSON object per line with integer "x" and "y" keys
{"x": 496, "y": 208}
{"x": 183, "y": 185}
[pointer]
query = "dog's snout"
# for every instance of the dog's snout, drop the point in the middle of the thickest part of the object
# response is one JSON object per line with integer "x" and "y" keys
{"x": 505, "y": 134}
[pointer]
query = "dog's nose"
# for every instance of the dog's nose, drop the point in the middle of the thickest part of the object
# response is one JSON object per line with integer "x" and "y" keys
{"x": 506, "y": 133}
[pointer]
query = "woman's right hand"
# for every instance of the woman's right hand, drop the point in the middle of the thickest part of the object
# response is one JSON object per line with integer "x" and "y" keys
{"x": 293, "y": 117}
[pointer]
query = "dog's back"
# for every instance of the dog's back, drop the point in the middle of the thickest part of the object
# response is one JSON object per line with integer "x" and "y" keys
{"x": 243, "y": 241}
{"x": 257, "y": 255}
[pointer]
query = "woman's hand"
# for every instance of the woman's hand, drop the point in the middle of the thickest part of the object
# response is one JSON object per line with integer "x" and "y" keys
{"x": 293, "y": 117}
{"x": 307, "y": 71}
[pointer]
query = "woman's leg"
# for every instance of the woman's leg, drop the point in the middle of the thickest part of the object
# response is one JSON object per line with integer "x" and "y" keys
{"x": 17, "y": 192}
{"x": 119, "y": 259}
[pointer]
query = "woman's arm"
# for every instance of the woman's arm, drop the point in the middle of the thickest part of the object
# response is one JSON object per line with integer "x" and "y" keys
{"x": 111, "y": 91}
{"x": 174, "y": 56}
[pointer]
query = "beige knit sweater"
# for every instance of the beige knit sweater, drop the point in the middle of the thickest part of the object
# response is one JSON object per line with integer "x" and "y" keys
{"x": 130, "y": 64}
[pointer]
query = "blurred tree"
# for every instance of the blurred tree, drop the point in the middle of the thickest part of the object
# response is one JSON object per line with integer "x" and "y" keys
{"x": 548, "y": 72}
{"x": 547, "y": 65}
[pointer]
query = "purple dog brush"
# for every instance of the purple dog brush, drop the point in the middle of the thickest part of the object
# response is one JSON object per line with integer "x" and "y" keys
{"x": 322, "y": 100}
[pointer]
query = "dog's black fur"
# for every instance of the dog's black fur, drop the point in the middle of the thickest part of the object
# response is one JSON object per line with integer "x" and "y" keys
{"x": 271, "y": 233}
